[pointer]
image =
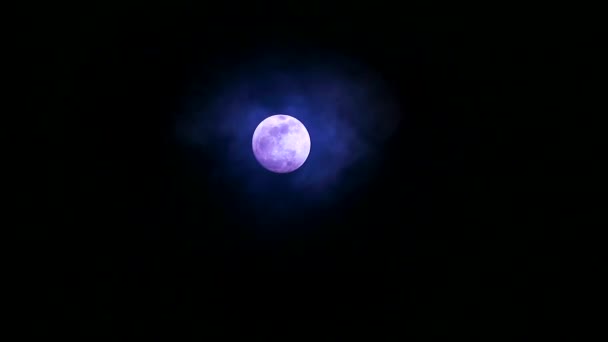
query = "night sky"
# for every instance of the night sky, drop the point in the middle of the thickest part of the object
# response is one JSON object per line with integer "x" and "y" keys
{"x": 410, "y": 218}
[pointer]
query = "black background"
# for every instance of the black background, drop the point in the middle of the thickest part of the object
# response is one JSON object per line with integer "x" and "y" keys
{"x": 447, "y": 239}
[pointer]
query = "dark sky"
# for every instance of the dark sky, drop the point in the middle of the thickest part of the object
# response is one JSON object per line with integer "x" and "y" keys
{"x": 438, "y": 241}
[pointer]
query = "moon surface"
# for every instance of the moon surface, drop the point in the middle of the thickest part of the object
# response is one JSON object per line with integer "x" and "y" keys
{"x": 281, "y": 143}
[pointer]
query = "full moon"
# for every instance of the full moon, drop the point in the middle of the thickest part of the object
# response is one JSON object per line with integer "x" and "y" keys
{"x": 281, "y": 143}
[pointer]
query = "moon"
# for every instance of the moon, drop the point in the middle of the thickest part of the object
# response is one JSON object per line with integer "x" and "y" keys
{"x": 281, "y": 143}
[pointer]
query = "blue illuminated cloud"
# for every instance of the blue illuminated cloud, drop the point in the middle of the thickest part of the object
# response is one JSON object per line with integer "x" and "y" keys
{"x": 345, "y": 107}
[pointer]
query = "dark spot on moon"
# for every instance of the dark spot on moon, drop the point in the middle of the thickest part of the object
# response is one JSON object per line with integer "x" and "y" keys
{"x": 289, "y": 158}
{"x": 284, "y": 128}
{"x": 282, "y": 117}
{"x": 275, "y": 131}
{"x": 265, "y": 144}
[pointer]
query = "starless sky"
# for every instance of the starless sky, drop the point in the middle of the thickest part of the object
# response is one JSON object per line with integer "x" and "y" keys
{"x": 408, "y": 218}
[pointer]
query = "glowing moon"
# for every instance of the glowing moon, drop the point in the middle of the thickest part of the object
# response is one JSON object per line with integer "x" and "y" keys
{"x": 281, "y": 143}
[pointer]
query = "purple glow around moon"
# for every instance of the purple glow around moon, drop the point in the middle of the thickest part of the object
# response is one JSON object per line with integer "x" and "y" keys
{"x": 281, "y": 143}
